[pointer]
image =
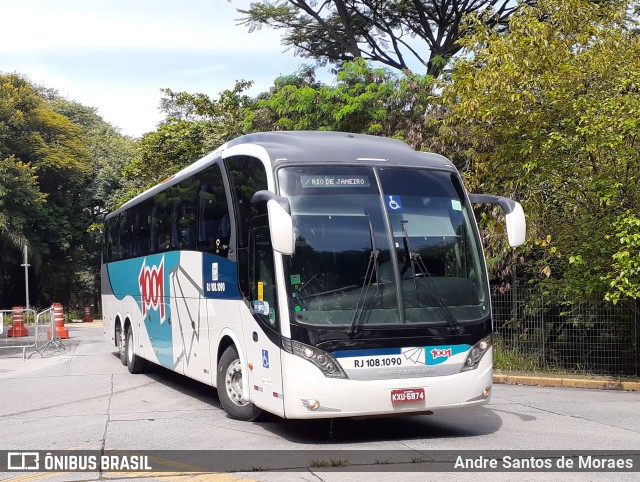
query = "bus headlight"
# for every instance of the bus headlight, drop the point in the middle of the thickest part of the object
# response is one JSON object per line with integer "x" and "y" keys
{"x": 476, "y": 353}
{"x": 323, "y": 360}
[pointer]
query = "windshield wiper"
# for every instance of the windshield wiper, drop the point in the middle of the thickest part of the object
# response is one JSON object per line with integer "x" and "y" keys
{"x": 416, "y": 260}
{"x": 372, "y": 268}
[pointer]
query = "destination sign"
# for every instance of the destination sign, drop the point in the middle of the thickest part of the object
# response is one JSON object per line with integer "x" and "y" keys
{"x": 330, "y": 180}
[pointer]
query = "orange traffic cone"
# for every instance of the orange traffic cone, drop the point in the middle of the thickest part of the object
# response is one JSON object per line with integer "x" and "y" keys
{"x": 87, "y": 315}
{"x": 58, "y": 318}
{"x": 18, "y": 328}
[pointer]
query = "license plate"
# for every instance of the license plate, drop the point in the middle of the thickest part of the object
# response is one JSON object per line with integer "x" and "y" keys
{"x": 407, "y": 395}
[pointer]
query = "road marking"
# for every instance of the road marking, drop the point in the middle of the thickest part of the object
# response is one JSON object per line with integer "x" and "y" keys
{"x": 177, "y": 476}
{"x": 187, "y": 472}
{"x": 31, "y": 477}
{"x": 164, "y": 476}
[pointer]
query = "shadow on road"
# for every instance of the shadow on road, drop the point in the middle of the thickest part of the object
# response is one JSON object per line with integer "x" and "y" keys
{"x": 468, "y": 422}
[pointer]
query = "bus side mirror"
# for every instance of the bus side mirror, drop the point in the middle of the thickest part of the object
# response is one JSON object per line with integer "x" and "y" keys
{"x": 280, "y": 221}
{"x": 513, "y": 213}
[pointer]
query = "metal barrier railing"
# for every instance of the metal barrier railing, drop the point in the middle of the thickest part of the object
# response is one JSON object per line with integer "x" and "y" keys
{"x": 21, "y": 329}
{"x": 52, "y": 339}
{"x": 543, "y": 330}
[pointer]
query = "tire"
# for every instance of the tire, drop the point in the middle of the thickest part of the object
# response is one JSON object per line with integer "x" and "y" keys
{"x": 229, "y": 378}
{"x": 135, "y": 364}
{"x": 120, "y": 343}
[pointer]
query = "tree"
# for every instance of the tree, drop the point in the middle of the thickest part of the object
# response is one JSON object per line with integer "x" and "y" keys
{"x": 174, "y": 145}
{"x": 363, "y": 100}
{"x": 195, "y": 125}
{"x": 396, "y": 33}
{"x": 624, "y": 278}
{"x": 551, "y": 110}
{"x": 58, "y": 160}
{"x": 20, "y": 196}
{"x": 109, "y": 152}
{"x": 45, "y": 156}
{"x": 20, "y": 199}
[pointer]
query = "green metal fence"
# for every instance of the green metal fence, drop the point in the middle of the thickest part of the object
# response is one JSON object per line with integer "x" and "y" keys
{"x": 538, "y": 330}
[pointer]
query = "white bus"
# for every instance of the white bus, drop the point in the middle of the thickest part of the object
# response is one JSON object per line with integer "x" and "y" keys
{"x": 310, "y": 275}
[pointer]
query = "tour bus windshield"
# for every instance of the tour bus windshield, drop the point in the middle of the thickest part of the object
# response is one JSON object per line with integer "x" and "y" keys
{"x": 379, "y": 247}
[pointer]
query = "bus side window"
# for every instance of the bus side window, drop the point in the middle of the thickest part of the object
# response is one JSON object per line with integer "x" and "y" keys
{"x": 161, "y": 223}
{"x": 183, "y": 214}
{"x": 125, "y": 235}
{"x": 140, "y": 243}
{"x": 247, "y": 176}
{"x": 111, "y": 244}
{"x": 213, "y": 227}
{"x": 262, "y": 291}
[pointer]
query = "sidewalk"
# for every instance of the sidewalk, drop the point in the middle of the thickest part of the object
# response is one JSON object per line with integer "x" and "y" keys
{"x": 566, "y": 380}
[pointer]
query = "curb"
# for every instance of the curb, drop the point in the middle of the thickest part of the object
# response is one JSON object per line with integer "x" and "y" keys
{"x": 566, "y": 382}
{"x": 83, "y": 323}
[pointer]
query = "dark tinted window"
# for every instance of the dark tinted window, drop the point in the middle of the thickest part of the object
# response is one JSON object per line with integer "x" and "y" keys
{"x": 184, "y": 214}
{"x": 262, "y": 288}
{"x": 126, "y": 232}
{"x": 141, "y": 215}
{"x": 193, "y": 214}
{"x": 246, "y": 176}
{"x": 111, "y": 239}
{"x": 214, "y": 228}
{"x": 161, "y": 215}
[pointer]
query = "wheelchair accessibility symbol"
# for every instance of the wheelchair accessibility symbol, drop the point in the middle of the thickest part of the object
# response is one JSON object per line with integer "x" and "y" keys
{"x": 265, "y": 359}
{"x": 394, "y": 203}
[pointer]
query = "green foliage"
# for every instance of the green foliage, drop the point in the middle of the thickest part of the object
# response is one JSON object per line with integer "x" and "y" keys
{"x": 20, "y": 197}
{"x": 507, "y": 357}
{"x": 363, "y": 100}
{"x": 195, "y": 125}
{"x": 355, "y": 104}
{"x": 624, "y": 280}
{"x": 176, "y": 144}
{"x": 108, "y": 153}
{"x": 58, "y": 161}
{"x": 548, "y": 113}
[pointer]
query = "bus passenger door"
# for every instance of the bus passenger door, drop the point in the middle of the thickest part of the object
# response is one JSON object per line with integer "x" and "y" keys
{"x": 261, "y": 331}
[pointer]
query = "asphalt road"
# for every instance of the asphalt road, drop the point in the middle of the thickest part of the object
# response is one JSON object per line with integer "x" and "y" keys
{"x": 83, "y": 398}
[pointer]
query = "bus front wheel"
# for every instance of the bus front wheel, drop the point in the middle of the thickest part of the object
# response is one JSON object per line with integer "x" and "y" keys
{"x": 229, "y": 378}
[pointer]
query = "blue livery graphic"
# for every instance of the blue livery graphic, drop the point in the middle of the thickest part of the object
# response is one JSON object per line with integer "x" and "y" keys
{"x": 219, "y": 278}
{"x": 363, "y": 353}
{"x": 153, "y": 289}
{"x": 434, "y": 355}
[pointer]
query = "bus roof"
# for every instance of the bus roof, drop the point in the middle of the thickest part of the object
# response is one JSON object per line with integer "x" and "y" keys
{"x": 325, "y": 147}
{"x": 339, "y": 147}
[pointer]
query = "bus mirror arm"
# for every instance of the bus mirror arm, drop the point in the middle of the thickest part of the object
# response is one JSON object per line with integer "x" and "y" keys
{"x": 280, "y": 221}
{"x": 266, "y": 196}
{"x": 514, "y": 215}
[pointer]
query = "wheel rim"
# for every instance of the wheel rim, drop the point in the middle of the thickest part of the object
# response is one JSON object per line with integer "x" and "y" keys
{"x": 121, "y": 343}
{"x": 130, "y": 349}
{"x": 233, "y": 383}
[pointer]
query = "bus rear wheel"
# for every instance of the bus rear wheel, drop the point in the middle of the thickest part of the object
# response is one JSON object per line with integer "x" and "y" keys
{"x": 229, "y": 379}
{"x": 121, "y": 342}
{"x": 135, "y": 364}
